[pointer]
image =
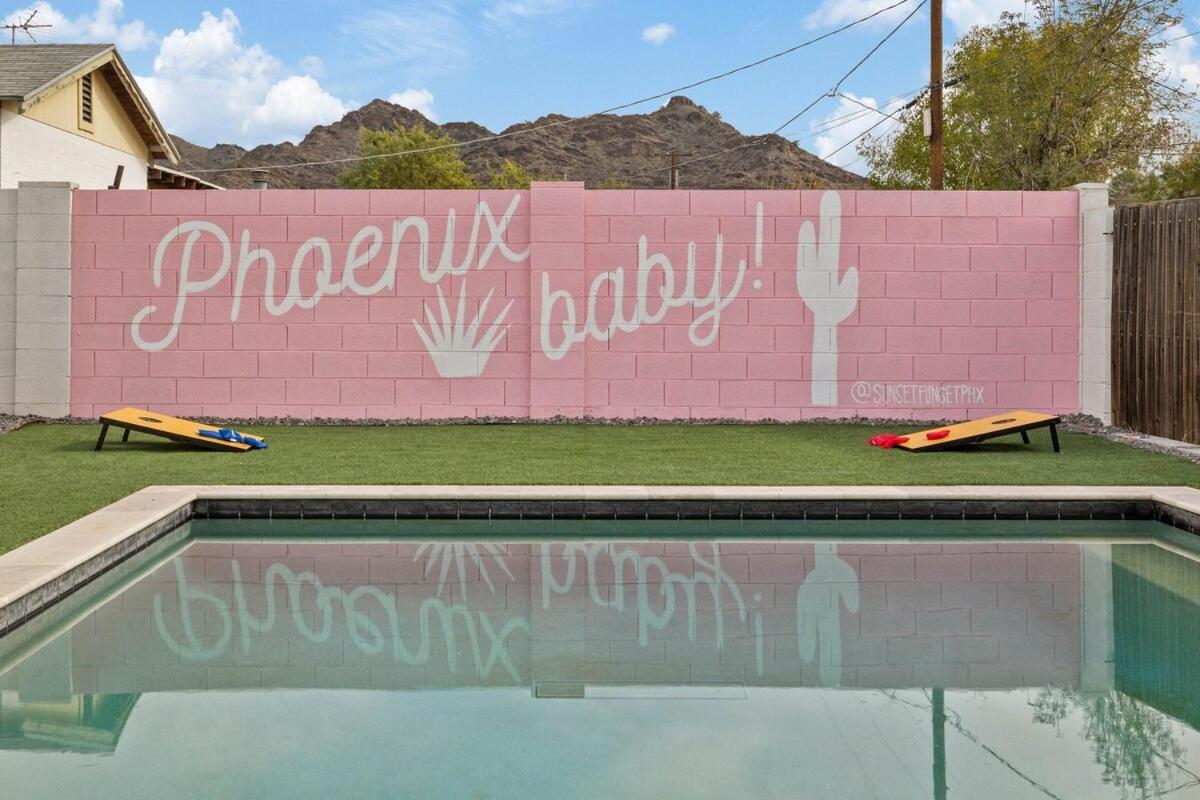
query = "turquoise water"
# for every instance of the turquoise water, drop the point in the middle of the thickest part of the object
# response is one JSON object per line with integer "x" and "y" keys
{"x": 591, "y": 660}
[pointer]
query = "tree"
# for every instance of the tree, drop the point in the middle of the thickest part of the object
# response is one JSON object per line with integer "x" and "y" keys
{"x": 612, "y": 182}
{"x": 1073, "y": 95}
{"x": 1179, "y": 177}
{"x": 430, "y": 169}
{"x": 509, "y": 175}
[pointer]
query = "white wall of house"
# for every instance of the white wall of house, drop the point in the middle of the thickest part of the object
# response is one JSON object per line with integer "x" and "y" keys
{"x": 34, "y": 151}
{"x": 8, "y": 299}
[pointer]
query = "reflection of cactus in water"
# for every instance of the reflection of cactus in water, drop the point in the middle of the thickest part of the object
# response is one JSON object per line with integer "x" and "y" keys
{"x": 830, "y": 297}
{"x": 1133, "y": 743}
{"x": 819, "y": 601}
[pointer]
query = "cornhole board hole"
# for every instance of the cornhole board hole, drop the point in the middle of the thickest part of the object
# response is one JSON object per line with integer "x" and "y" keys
{"x": 978, "y": 430}
{"x": 173, "y": 428}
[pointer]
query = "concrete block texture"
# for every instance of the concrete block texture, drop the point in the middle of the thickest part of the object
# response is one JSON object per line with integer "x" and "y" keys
{"x": 44, "y": 198}
{"x": 35, "y": 282}
{"x": 43, "y": 363}
{"x": 557, "y": 300}
{"x": 43, "y": 228}
{"x": 43, "y": 255}
{"x": 35, "y": 299}
{"x": 1095, "y": 293}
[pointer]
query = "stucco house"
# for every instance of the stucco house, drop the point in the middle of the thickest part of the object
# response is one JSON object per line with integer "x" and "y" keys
{"x": 74, "y": 112}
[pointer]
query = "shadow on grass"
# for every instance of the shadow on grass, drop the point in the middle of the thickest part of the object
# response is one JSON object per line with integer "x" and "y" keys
{"x": 995, "y": 448}
{"x": 162, "y": 446}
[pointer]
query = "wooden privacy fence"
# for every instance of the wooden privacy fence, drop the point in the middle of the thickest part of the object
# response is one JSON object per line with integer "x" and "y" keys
{"x": 1156, "y": 318}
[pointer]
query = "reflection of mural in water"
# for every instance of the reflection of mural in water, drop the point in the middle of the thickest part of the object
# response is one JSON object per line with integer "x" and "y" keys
{"x": 459, "y": 555}
{"x": 819, "y": 600}
{"x": 644, "y": 570}
{"x": 695, "y": 594}
{"x": 452, "y": 620}
{"x": 411, "y": 615}
{"x": 906, "y": 619}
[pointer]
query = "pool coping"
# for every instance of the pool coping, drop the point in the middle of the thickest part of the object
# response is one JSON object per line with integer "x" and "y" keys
{"x": 42, "y": 572}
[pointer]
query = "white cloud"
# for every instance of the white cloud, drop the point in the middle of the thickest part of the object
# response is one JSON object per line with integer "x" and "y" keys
{"x": 427, "y": 39}
{"x": 834, "y": 13}
{"x": 1180, "y": 57}
{"x": 843, "y": 124}
{"x": 297, "y": 102}
{"x": 965, "y": 13}
{"x": 101, "y": 25}
{"x": 658, "y": 34}
{"x": 419, "y": 100}
{"x": 312, "y": 65}
{"x": 961, "y": 14}
{"x": 208, "y": 86}
{"x": 508, "y": 12}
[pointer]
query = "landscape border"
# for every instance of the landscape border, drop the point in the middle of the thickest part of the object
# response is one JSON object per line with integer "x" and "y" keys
{"x": 39, "y": 574}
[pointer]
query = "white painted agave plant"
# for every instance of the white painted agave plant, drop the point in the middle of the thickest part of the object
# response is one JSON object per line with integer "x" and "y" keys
{"x": 455, "y": 345}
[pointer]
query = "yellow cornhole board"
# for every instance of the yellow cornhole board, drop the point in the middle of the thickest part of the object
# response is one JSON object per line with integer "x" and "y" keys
{"x": 173, "y": 428}
{"x": 978, "y": 430}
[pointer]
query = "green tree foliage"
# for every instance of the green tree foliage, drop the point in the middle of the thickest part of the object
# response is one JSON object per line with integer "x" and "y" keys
{"x": 1177, "y": 177}
{"x": 431, "y": 169}
{"x": 510, "y": 175}
{"x": 612, "y": 182}
{"x": 1071, "y": 95}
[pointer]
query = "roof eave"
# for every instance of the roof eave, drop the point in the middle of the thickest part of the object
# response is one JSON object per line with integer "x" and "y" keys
{"x": 99, "y": 59}
{"x": 155, "y": 136}
{"x": 163, "y": 147}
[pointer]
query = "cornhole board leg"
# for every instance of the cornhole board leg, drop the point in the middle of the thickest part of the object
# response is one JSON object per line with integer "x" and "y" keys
{"x": 103, "y": 433}
{"x": 1054, "y": 438}
{"x": 1025, "y": 437}
{"x": 125, "y": 437}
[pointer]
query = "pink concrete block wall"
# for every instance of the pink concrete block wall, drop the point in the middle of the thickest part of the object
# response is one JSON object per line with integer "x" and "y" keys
{"x": 913, "y": 304}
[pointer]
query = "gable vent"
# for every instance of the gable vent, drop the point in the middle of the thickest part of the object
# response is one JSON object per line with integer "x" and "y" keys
{"x": 85, "y": 99}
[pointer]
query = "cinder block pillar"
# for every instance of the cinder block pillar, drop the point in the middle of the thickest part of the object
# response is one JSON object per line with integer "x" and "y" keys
{"x": 558, "y": 297}
{"x": 8, "y": 297}
{"x": 1095, "y": 292}
{"x": 42, "y": 374}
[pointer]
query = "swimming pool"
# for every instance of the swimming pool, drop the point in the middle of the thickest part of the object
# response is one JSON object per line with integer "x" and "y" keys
{"x": 569, "y": 658}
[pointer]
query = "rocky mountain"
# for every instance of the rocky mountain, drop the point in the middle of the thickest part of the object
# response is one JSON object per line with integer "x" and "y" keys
{"x": 632, "y": 148}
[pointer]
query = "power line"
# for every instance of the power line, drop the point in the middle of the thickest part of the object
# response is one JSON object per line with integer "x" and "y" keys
{"x": 844, "y": 145}
{"x": 1030, "y": 50}
{"x": 832, "y": 92}
{"x": 837, "y": 87}
{"x": 877, "y": 110}
{"x": 1184, "y": 36}
{"x": 571, "y": 120}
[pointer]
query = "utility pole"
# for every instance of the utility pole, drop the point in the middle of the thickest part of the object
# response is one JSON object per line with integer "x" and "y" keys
{"x": 935, "y": 95}
{"x": 674, "y": 182}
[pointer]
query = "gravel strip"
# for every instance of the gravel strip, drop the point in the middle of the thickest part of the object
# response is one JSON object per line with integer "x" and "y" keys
{"x": 1079, "y": 423}
{"x": 8, "y": 422}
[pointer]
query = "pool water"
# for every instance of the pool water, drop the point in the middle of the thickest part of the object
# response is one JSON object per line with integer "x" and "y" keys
{"x": 591, "y": 660}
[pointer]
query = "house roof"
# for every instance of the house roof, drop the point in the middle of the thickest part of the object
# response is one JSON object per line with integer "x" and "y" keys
{"x": 29, "y": 72}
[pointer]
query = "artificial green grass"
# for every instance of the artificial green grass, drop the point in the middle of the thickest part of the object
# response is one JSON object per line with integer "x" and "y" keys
{"x": 50, "y": 475}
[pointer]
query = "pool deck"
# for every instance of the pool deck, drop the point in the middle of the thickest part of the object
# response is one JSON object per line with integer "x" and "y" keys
{"x": 37, "y": 574}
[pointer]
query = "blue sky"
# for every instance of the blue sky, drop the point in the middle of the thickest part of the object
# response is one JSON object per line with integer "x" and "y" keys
{"x": 254, "y": 71}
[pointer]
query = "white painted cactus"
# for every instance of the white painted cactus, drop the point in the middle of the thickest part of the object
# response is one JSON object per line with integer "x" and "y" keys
{"x": 829, "y": 296}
